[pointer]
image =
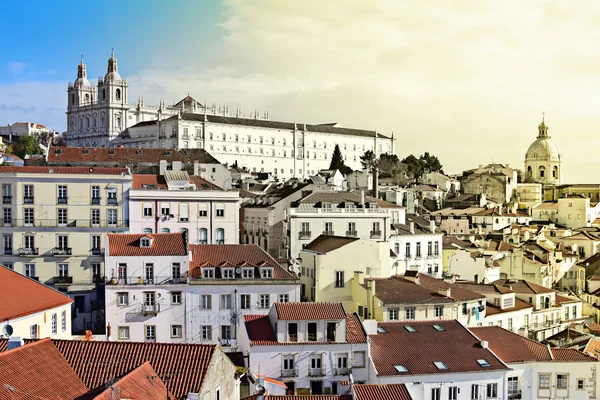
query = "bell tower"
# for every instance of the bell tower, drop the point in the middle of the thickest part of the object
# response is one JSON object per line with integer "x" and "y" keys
{"x": 113, "y": 93}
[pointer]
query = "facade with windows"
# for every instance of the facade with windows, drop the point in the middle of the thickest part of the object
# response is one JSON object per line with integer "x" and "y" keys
{"x": 169, "y": 291}
{"x": 175, "y": 202}
{"x": 55, "y": 220}
{"x": 314, "y": 348}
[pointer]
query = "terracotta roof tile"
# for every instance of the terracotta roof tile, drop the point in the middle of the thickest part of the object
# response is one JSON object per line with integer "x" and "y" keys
{"x": 127, "y": 156}
{"x": 143, "y": 383}
{"x": 62, "y": 170}
{"x": 395, "y": 391}
{"x": 304, "y": 397}
{"x": 519, "y": 305}
{"x": 305, "y": 311}
{"x": 163, "y": 244}
{"x": 355, "y": 332}
{"x": 38, "y": 371}
{"x": 511, "y": 347}
{"x": 234, "y": 255}
{"x": 21, "y": 296}
{"x": 522, "y": 286}
{"x": 570, "y": 355}
{"x": 327, "y": 243}
{"x": 417, "y": 351}
{"x": 149, "y": 182}
{"x": 345, "y": 197}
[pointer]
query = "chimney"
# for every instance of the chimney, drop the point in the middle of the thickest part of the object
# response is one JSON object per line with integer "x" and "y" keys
{"x": 484, "y": 344}
{"x": 14, "y": 342}
{"x": 362, "y": 198}
{"x": 411, "y": 226}
{"x": 432, "y": 225}
{"x": 360, "y": 277}
{"x": 500, "y": 209}
{"x": 445, "y": 291}
{"x": 450, "y": 279}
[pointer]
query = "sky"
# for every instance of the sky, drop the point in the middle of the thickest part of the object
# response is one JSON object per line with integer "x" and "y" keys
{"x": 465, "y": 80}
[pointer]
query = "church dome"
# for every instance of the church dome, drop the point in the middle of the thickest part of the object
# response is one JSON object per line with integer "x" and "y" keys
{"x": 81, "y": 80}
{"x": 543, "y": 149}
{"x": 112, "y": 73}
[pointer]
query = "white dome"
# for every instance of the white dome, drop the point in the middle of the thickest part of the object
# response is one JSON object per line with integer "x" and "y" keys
{"x": 543, "y": 149}
{"x": 112, "y": 77}
{"x": 82, "y": 82}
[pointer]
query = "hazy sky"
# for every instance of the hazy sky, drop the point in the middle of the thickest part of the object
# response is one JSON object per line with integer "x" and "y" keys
{"x": 465, "y": 80}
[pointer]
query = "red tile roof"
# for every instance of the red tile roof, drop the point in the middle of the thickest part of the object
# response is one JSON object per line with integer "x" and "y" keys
{"x": 491, "y": 309}
{"x": 327, "y": 243}
{"x": 511, "y": 347}
{"x": 417, "y": 351}
{"x": 395, "y": 391}
{"x": 38, "y": 371}
{"x": 62, "y": 170}
{"x": 523, "y": 286}
{"x": 306, "y": 311}
{"x": 304, "y": 397}
{"x": 76, "y": 155}
{"x": 355, "y": 332}
{"x": 570, "y": 355}
{"x": 163, "y": 244}
{"x": 234, "y": 255}
{"x": 21, "y": 296}
{"x": 143, "y": 383}
{"x": 141, "y": 181}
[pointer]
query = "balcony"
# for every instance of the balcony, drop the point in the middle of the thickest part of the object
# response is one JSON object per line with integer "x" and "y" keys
{"x": 289, "y": 373}
{"x": 316, "y": 372}
{"x": 351, "y": 233}
{"x": 97, "y": 252}
{"x": 35, "y": 278}
{"x": 28, "y": 200}
{"x": 151, "y": 309}
{"x": 514, "y": 394}
{"x": 418, "y": 256}
{"x": 329, "y": 233}
{"x": 112, "y": 200}
{"x": 538, "y": 326}
{"x": 62, "y": 200}
{"x": 304, "y": 235}
{"x": 6, "y": 199}
{"x": 292, "y": 337}
{"x": 220, "y": 241}
{"x": 29, "y": 251}
{"x": 8, "y": 252}
{"x": 375, "y": 234}
{"x": 312, "y": 337}
{"x": 62, "y": 251}
{"x": 342, "y": 371}
{"x": 95, "y": 200}
{"x": 63, "y": 280}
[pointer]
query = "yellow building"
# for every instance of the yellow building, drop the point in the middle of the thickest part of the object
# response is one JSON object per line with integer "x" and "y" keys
{"x": 55, "y": 220}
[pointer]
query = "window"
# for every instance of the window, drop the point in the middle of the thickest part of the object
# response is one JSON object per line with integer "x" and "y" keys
{"x": 393, "y": 314}
{"x": 245, "y": 301}
{"x": 440, "y": 365}
{"x": 225, "y": 332}
{"x": 95, "y": 217}
{"x": 203, "y": 210}
{"x": 206, "y": 302}
{"x": 284, "y": 298}
{"x": 247, "y": 273}
{"x": 165, "y": 209}
{"x": 436, "y": 393}
{"x": 150, "y": 333}
{"x": 492, "y": 390}
{"x": 29, "y": 242}
{"x": 352, "y": 228}
{"x": 112, "y": 216}
{"x": 418, "y": 249}
{"x": 145, "y": 242}
{"x": 266, "y": 273}
{"x": 123, "y": 299}
{"x": 63, "y": 270}
{"x": 176, "y": 331}
{"x": 264, "y": 300}
{"x": 328, "y": 227}
{"x": 208, "y": 273}
{"x": 203, "y": 236}
{"x": 439, "y": 311}
{"x": 513, "y": 385}
{"x": 407, "y": 250}
{"x": 227, "y": 273}
{"x": 474, "y": 392}
{"x": 220, "y": 236}
{"x": 453, "y": 393}
{"x": 339, "y": 279}
{"x": 149, "y": 273}
{"x": 7, "y": 217}
{"x": 183, "y": 212}
{"x": 429, "y": 248}
{"x": 27, "y": 194}
{"x": 62, "y": 194}
{"x": 409, "y": 313}
{"x": 544, "y": 381}
{"x": 562, "y": 380}
{"x": 63, "y": 321}
{"x": 30, "y": 270}
{"x": 123, "y": 332}
{"x": 33, "y": 331}
{"x": 54, "y": 324}
{"x": 28, "y": 216}
{"x": 147, "y": 209}
{"x": 225, "y": 302}
{"x": 436, "y": 249}
{"x": 147, "y": 231}
{"x": 206, "y": 332}
{"x": 175, "y": 297}
{"x": 484, "y": 363}
{"x": 580, "y": 384}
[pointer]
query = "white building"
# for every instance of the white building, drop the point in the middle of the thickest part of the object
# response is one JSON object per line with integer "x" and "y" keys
{"x": 417, "y": 246}
{"x": 576, "y": 211}
{"x": 14, "y": 131}
{"x": 539, "y": 371}
{"x": 32, "y": 310}
{"x": 435, "y": 360}
{"x": 166, "y": 291}
{"x": 312, "y": 347}
{"x": 342, "y": 214}
{"x": 177, "y": 202}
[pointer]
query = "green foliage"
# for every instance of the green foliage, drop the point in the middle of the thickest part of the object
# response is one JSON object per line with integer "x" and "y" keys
{"x": 337, "y": 161}
{"x": 388, "y": 164}
{"x": 26, "y": 145}
{"x": 424, "y": 164}
{"x": 368, "y": 161}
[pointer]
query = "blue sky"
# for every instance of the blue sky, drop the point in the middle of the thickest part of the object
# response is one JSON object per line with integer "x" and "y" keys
{"x": 467, "y": 81}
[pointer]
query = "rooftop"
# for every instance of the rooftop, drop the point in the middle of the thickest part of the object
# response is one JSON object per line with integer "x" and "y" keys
{"x": 345, "y": 197}
{"x": 419, "y": 348}
{"x": 143, "y": 383}
{"x": 309, "y": 311}
{"x": 394, "y": 391}
{"x": 121, "y": 155}
{"x": 327, "y": 243}
{"x": 161, "y": 244}
{"x": 63, "y": 170}
{"x": 21, "y": 296}
{"x": 522, "y": 286}
{"x": 158, "y": 182}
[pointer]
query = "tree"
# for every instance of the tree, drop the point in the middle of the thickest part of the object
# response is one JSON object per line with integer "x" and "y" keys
{"x": 368, "y": 161}
{"x": 424, "y": 164}
{"x": 337, "y": 161}
{"x": 431, "y": 163}
{"x": 388, "y": 163}
{"x": 26, "y": 145}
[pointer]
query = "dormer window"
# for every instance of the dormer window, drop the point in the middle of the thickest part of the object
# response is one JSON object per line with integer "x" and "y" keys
{"x": 440, "y": 365}
{"x": 145, "y": 242}
{"x": 266, "y": 273}
{"x": 227, "y": 273}
{"x": 327, "y": 205}
{"x": 208, "y": 273}
{"x": 373, "y": 205}
{"x": 247, "y": 273}
{"x": 350, "y": 206}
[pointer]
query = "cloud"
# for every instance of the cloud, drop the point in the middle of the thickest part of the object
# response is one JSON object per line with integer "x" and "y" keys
{"x": 41, "y": 102}
{"x": 17, "y": 66}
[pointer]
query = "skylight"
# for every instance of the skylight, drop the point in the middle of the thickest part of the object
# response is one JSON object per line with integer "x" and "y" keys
{"x": 438, "y": 328}
{"x": 440, "y": 365}
{"x": 484, "y": 363}
{"x": 380, "y": 330}
{"x": 401, "y": 368}
{"x": 410, "y": 328}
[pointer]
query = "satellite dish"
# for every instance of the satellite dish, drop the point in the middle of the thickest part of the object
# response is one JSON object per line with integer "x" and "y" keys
{"x": 238, "y": 270}
{"x": 380, "y": 303}
{"x": 7, "y": 330}
{"x": 260, "y": 388}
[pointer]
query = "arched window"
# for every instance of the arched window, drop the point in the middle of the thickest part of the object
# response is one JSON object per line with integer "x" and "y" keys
{"x": 118, "y": 121}
{"x": 220, "y": 236}
{"x": 87, "y": 122}
{"x": 529, "y": 171}
{"x": 118, "y": 94}
{"x": 103, "y": 94}
{"x": 102, "y": 121}
{"x": 555, "y": 172}
{"x": 542, "y": 172}
{"x": 203, "y": 236}
{"x": 147, "y": 230}
{"x": 87, "y": 98}
{"x": 73, "y": 99}
{"x": 220, "y": 210}
{"x": 165, "y": 230}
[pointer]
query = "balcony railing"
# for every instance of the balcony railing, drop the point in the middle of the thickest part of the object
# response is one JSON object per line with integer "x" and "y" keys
{"x": 28, "y": 200}
{"x": 289, "y": 372}
{"x": 312, "y": 337}
{"x": 95, "y": 200}
{"x": 150, "y": 309}
{"x": 304, "y": 235}
{"x": 292, "y": 337}
{"x": 375, "y": 234}
{"x": 351, "y": 233}
{"x": 8, "y": 251}
{"x": 29, "y": 251}
{"x": 514, "y": 394}
{"x": 74, "y": 223}
{"x": 97, "y": 252}
{"x": 112, "y": 200}
{"x": 63, "y": 280}
{"x": 537, "y": 326}
{"x": 62, "y": 251}
{"x": 342, "y": 371}
{"x": 329, "y": 233}
{"x": 316, "y": 372}
{"x": 6, "y": 199}
{"x": 62, "y": 200}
